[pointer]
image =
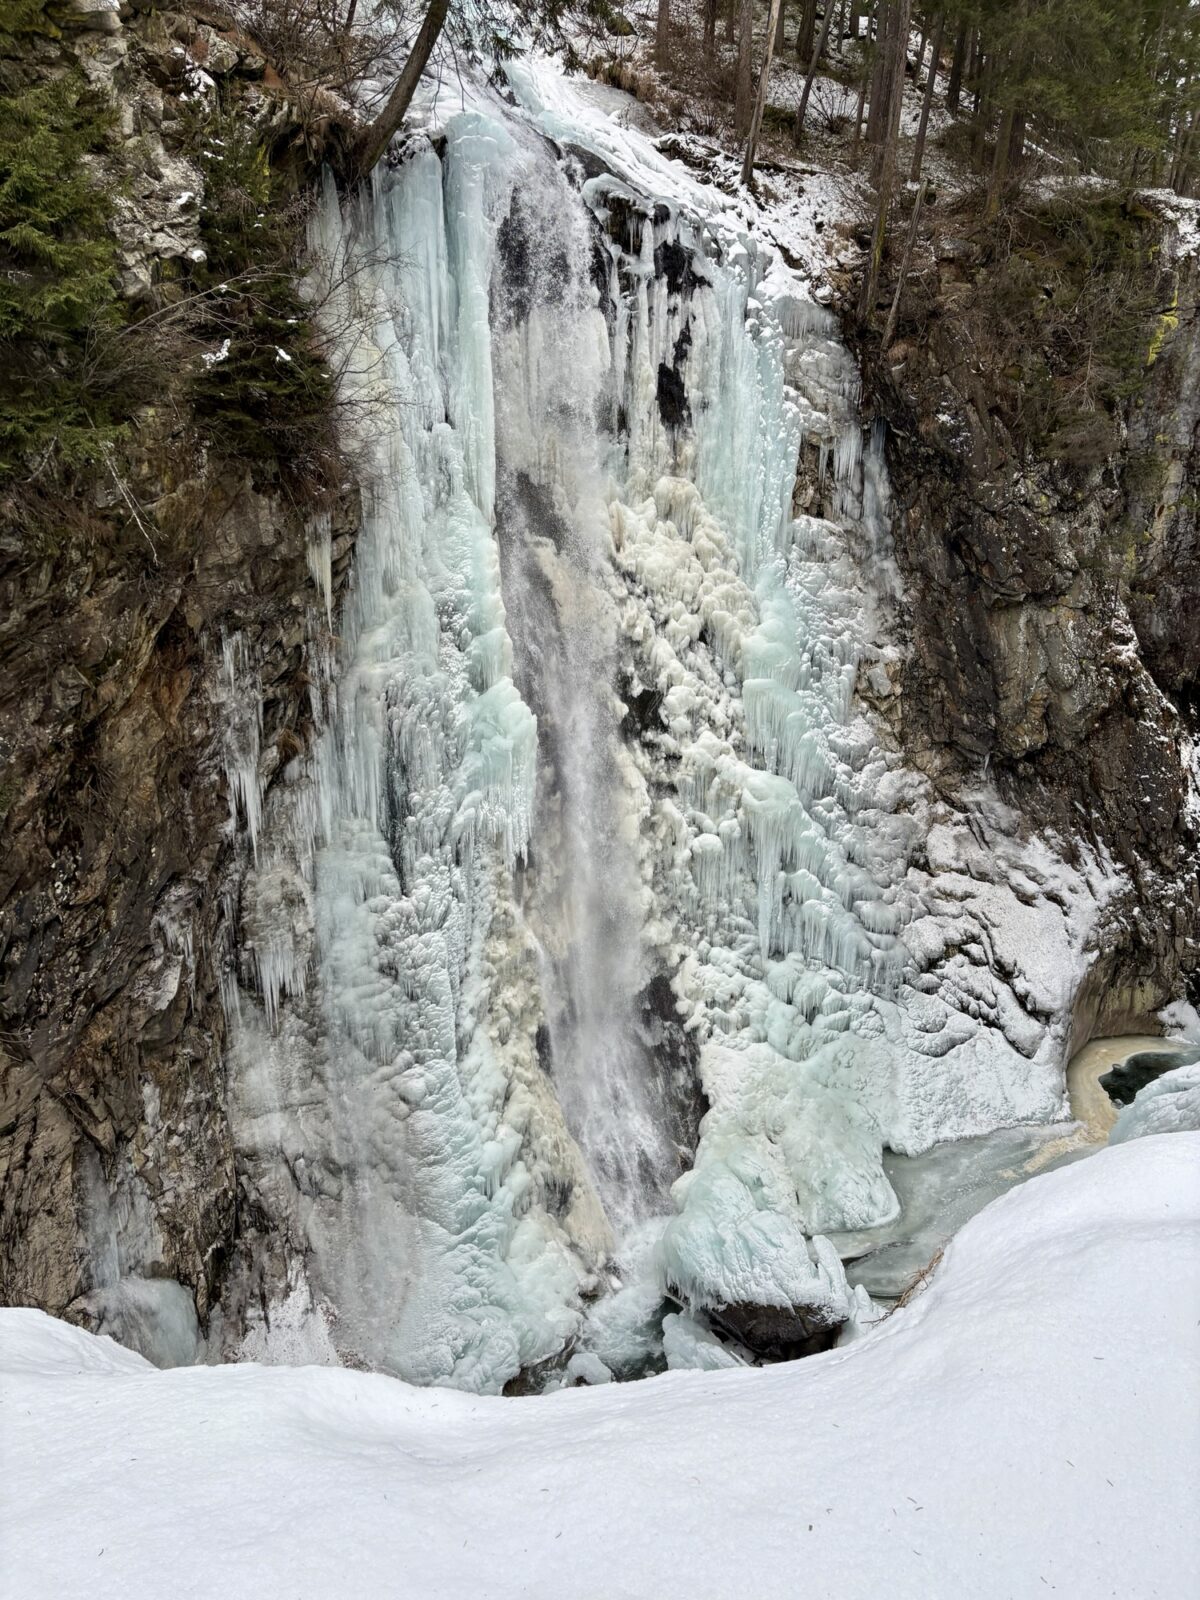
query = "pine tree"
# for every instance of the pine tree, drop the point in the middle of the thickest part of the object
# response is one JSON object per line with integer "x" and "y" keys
{"x": 57, "y": 265}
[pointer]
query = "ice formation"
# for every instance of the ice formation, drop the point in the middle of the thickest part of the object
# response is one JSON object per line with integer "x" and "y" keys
{"x": 596, "y": 836}
{"x": 1170, "y": 1104}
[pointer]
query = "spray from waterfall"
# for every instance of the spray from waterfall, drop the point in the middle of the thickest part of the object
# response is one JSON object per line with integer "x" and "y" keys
{"x": 552, "y": 362}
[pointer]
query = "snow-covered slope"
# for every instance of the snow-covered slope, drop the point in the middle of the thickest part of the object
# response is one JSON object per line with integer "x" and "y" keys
{"x": 1029, "y": 1425}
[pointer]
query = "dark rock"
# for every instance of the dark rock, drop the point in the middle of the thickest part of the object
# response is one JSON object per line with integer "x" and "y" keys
{"x": 1125, "y": 1082}
{"x": 777, "y": 1333}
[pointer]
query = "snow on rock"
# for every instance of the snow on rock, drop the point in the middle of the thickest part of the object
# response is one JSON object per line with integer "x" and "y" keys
{"x": 1029, "y": 1424}
{"x": 1170, "y": 1104}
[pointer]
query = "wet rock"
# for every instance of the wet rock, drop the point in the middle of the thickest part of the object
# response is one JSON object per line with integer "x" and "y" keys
{"x": 1126, "y": 1081}
{"x": 778, "y": 1333}
{"x": 1052, "y": 646}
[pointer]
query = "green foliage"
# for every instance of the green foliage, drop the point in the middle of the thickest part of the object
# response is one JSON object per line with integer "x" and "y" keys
{"x": 1112, "y": 83}
{"x": 1066, "y": 311}
{"x": 269, "y": 398}
{"x": 21, "y": 20}
{"x": 57, "y": 285}
{"x": 1075, "y": 66}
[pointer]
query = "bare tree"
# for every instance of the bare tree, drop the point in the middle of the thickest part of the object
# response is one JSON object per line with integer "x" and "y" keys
{"x": 895, "y": 55}
{"x": 662, "y": 34}
{"x": 818, "y": 51}
{"x": 957, "y": 65}
{"x": 914, "y": 223}
{"x": 760, "y": 101}
{"x": 710, "y": 29}
{"x": 927, "y": 102}
{"x": 745, "y": 69}
{"x": 375, "y": 138}
{"x": 805, "y": 29}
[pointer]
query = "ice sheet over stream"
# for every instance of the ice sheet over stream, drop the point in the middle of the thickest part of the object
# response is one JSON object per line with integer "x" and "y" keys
{"x": 596, "y": 836}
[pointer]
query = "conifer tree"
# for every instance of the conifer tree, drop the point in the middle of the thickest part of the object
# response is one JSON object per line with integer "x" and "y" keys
{"x": 57, "y": 265}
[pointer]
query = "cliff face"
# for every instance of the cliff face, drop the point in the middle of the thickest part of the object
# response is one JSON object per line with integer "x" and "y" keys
{"x": 118, "y": 867}
{"x": 1052, "y": 636}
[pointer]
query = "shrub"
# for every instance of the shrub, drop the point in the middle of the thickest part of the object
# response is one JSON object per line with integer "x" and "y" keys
{"x": 266, "y": 395}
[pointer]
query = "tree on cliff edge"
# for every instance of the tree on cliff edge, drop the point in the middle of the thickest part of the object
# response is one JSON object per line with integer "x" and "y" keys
{"x": 488, "y": 30}
{"x": 376, "y": 137}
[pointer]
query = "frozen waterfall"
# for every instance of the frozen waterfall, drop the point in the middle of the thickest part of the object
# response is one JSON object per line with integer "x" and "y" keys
{"x": 595, "y": 838}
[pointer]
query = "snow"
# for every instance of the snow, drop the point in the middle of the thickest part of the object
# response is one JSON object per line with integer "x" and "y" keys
{"x": 1170, "y": 1104}
{"x": 1182, "y": 213}
{"x": 1029, "y": 1424}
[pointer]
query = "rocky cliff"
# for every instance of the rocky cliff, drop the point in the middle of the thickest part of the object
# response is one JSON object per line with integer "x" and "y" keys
{"x": 119, "y": 872}
{"x": 1049, "y": 612}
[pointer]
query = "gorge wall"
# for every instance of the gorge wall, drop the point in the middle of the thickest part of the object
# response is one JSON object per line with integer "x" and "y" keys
{"x": 1051, "y": 636}
{"x": 119, "y": 860}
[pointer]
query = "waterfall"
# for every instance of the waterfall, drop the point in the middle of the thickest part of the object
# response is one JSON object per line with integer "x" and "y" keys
{"x": 595, "y": 838}
{"x": 584, "y": 895}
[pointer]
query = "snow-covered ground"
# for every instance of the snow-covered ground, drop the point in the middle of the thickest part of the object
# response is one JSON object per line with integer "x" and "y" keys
{"x": 1030, "y": 1424}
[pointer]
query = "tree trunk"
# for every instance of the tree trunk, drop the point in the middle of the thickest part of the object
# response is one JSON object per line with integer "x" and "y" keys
{"x": 1183, "y": 129}
{"x": 922, "y": 41}
{"x": 895, "y": 59}
{"x": 710, "y": 29}
{"x": 927, "y": 102}
{"x": 781, "y": 28}
{"x": 863, "y": 76}
{"x": 810, "y": 76}
{"x": 999, "y": 165}
{"x": 983, "y": 111}
{"x": 914, "y": 222}
{"x": 897, "y": 72}
{"x": 876, "y": 108}
{"x": 805, "y": 29}
{"x": 662, "y": 34}
{"x": 885, "y": 167}
{"x": 760, "y": 100}
{"x": 954, "y": 86}
{"x": 1183, "y": 176}
{"x": 870, "y": 288}
{"x": 1016, "y": 145}
{"x": 744, "y": 90}
{"x": 374, "y": 139}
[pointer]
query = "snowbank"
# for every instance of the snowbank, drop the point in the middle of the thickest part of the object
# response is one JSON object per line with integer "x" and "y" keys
{"x": 1031, "y": 1423}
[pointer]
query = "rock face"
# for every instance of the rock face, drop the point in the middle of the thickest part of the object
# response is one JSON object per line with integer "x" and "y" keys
{"x": 117, "y": 848}
{"x": 1053, "y": 642}
{"x": 118, "y": 871}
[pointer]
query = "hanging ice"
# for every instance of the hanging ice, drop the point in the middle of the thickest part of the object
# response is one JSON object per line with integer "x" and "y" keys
{"x": 595, "y": 836}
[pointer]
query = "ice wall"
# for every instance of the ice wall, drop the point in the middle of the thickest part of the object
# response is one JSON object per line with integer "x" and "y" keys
{"x": 593, "y": 739}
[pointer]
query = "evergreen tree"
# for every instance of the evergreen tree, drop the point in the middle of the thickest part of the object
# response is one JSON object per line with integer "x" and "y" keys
{"x": 57, "y": 261}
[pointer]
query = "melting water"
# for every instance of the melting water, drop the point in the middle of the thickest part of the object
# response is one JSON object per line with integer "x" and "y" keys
{"x": 583, "y": 892}
{"x": 584, "y": 896}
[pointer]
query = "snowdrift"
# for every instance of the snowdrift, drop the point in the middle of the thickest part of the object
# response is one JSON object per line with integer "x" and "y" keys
{"x": 1029, "y": 1424}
